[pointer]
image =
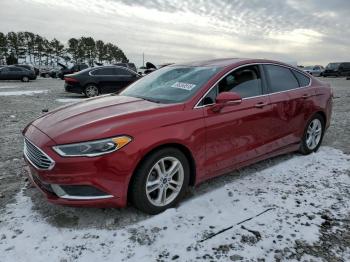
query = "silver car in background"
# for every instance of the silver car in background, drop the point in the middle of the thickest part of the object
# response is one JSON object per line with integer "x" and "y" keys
{"x": 316, "y": 70}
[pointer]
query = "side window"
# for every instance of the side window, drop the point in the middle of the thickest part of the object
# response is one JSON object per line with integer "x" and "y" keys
{"x": 209, "y": 99}
{"x": 302, "y": 79}
{"x": 14, "y": 69}
{"x": 121, "y": 72}
{"x": 281, "y": 78}
{"x": 103, "y": 72}
{"x": 245, "y": 81}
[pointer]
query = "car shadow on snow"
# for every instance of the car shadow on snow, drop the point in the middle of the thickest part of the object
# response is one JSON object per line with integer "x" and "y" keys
{"x": 114, "y": 218}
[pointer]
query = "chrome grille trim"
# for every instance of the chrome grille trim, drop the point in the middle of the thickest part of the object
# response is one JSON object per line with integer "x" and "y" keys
{"x": 37, "y": 157}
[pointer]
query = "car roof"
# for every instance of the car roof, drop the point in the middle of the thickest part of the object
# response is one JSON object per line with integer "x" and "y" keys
{"x": 227, "y": 62}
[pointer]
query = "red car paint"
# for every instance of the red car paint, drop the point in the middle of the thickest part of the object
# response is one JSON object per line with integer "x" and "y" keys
{"x": 215, "y": 142}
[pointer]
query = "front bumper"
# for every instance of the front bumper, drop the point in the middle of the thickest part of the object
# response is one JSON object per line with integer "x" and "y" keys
{"x": 80, "y": 181}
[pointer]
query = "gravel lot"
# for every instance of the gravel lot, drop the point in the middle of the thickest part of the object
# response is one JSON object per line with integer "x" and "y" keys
{"x": 22, "y": 102}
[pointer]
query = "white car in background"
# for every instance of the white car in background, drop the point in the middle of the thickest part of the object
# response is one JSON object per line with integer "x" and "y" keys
{"x": 316, "y": 70}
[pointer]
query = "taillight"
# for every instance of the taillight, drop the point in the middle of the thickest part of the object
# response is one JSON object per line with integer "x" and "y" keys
{"x": 70, "y": 80}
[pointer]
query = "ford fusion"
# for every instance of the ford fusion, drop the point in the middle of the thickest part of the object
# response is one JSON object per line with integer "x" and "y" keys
{"x": 172, "y": 129}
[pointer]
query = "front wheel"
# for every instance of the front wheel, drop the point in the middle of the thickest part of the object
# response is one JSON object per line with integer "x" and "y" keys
{"x": 313, "y": 135}
{"x": 160, "y": 181}
{"x": 91, "y": 90}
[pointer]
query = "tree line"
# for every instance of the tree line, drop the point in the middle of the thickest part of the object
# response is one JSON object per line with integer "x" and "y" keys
{"x": 37, "y": 50}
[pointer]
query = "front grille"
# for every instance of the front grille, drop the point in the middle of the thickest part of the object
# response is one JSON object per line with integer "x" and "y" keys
{"x": 36, "y": 156}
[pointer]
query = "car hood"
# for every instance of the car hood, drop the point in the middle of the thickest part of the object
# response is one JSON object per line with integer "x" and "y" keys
{"x": 94, "y": 118}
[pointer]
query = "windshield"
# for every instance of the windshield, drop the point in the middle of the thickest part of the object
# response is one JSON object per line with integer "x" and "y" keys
{"x": 333, "y": 66}
{"x": 172, "y": 84}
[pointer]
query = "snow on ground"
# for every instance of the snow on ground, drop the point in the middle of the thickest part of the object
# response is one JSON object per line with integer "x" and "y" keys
{"x": 19, "y": 93}
{"x": 284, "y": 202}
{"x": 11, "y": 86}
{"x": 69, "y": 100}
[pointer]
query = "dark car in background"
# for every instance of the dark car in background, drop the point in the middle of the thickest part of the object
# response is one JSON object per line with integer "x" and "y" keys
{"x": 16, "y": 73}
{"x": 29, "y": 67}
{"x": 46, "y": 73}
{"x": 100, "y": 80}
{"x": 75, "y": 68}
{"x": 127, "y": 65}
{"x": 337, "y": 69}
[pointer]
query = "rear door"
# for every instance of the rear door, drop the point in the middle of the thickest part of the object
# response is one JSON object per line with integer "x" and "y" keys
{"x": 16, "y": 73}
{"x": 291, "y": 99}
{"x": 102, "y": 77}
{"x": 345, "y": 69}
{"x": 236, "y": 133}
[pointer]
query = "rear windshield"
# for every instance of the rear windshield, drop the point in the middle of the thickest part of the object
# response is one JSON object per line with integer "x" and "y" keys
{"x": 172, "y": 84}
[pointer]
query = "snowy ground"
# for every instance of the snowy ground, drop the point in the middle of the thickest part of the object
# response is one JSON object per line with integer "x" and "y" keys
{"x": 20, "y": 93}
{"x": 300, "y": 195}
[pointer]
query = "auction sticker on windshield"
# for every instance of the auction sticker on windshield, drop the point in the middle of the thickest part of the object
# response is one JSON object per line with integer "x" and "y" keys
{"x": 185, "y": 86}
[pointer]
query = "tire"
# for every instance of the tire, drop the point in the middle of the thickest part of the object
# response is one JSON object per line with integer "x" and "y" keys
{"x": 25, "y": 79}
{"x": 149, "y": 172}
{"x": 47, "y": 75}
{"x": 91, "y": 90}
{"x": 311, "y": 140}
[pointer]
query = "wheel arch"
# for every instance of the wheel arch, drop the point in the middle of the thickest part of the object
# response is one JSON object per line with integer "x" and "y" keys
{"x": 324, "y": 116}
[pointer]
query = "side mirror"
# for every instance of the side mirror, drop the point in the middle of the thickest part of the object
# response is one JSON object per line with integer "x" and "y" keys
{"x": 226, "y": 99}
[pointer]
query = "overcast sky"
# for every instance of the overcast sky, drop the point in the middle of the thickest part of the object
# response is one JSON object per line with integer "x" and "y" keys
{"x": 307, "y": 31}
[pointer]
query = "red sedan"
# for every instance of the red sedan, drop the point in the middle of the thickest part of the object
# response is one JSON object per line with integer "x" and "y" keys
{"x": 175, "y": 128}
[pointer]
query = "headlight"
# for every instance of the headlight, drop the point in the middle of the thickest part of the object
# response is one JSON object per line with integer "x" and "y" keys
{"x": 93, "y": 148}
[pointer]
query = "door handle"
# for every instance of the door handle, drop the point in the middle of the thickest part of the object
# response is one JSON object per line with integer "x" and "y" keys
{"x": 261, "y": 104}
{"x": 305, "y": 96}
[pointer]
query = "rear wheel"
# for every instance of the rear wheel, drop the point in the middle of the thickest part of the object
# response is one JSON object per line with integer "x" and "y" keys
{"x": 160, "y": 181}
{"x": 313, "y": 135}
{"x": 91, "y": 90}
{"x": 25, "y": 79}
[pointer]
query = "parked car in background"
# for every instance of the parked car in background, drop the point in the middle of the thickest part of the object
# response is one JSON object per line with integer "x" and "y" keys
{"x": 48, "y": 72}
{"x": 175, "y": 128}
{"x": 127, "y": 65}
{"x": 16, "y": 73}
{"x": 141, "y": 70}
{"x": 316, "y": 70}
{"x": 337, "y": 69}
{"x": 29, "y": 67}
{"x": 100, "y": 80}
{"x": 65, "y": 70}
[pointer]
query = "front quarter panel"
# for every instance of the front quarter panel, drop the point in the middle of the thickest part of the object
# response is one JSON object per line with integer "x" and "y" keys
{"x": 185, "y": 128}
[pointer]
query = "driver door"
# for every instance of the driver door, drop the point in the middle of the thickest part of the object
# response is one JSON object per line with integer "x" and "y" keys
{"x": 235, "y": 134}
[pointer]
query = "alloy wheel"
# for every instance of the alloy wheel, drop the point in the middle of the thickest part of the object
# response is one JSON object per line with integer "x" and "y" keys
{"x": 314, "y": 134}
{"x": 164, "y": 181}
{"x": 91, "y": 91}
